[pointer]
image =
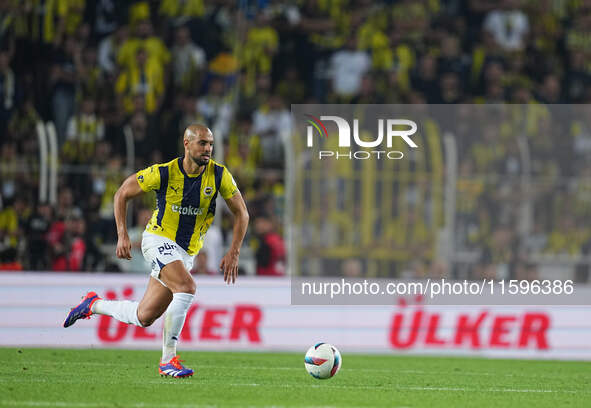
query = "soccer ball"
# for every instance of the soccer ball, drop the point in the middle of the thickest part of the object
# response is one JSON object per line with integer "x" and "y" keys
{"x": 323, "y": 361}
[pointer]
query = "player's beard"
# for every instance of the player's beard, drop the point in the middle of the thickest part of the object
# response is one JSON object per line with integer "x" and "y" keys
{"x": 200, "y": 160}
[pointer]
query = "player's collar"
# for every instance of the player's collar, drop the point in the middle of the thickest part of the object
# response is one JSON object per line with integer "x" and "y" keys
{"x": 182, "y": 169}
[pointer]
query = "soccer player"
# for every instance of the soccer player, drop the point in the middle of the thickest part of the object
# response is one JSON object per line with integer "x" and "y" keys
{"x": 186, "y": 190}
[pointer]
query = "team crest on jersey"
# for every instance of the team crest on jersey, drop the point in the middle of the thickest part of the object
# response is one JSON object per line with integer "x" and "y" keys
{"x": 208, "y": 191}
{"x": 140, "y": 178}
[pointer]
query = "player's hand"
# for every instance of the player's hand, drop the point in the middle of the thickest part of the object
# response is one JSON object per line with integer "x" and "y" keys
{"x": 229, "y": 266}
{"x": 123, "y": 250}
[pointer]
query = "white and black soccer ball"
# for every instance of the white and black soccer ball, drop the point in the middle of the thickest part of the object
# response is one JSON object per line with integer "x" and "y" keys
{"x": 323, "y": 361}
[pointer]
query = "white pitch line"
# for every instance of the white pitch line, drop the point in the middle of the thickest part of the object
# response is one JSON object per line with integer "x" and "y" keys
{"x": 416, "y": 388}
{"x": 97, "y": 405}
{"x": 189, "y": 383}
{"x": 377, "y": 370}
{"x": 461, "y": 389}
{"x": 64, "y": 404}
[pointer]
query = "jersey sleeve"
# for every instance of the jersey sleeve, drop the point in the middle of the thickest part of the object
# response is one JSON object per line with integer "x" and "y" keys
{"x": 228, "y": 186}
{"x": 149, "y": 178}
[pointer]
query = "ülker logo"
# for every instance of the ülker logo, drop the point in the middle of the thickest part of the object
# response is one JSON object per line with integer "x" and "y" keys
{"x": 387, "y": 128}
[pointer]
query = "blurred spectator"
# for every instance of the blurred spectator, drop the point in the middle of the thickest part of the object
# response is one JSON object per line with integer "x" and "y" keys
{"x": 215, "y": 108}
{"x": 176, "y": 11}
{"x": 410, "y": 22}
{"x": 347, "y": 67}
{"x": 550, "y": 91}
{"x": 22, "y": 129}
{"x": 138, "y": 121}
{"x": 291, "y": 87}
{"x": 521, "y": 93}
{"x": 62, "y": 18}
{"x": 352, "y": 268}
{"x": 201, "y": 265}
{"x": 243, "y": 154}
{"x": 367, "y": 92}
{"x": 69, "y": 251}
{"x": 508, "y": 25}
{"x": 142, "y": 78}
{"x": 109, "y": 48}
{"x": 188, "y": 61}
{"x": 537, "y": 241}
{"x": 188, "y": 114}
{"x": 109, "y": 181}
{"x": 23, "y": 122}
{"x": 271, "y": 122}
{"x": 137, "y": 264}
{"x": 270, "y": 254}
{"x": 424, "y": 78}
{"x": 139, "y": 12}
{"x": 261, "y": 44}
{"x": 23, "y": 211}
{"x": 494, "y": 81}
{"x": 64, "y": 80}
{"x": 578, "y": 76}
{"x": 37, "y": 229}
{"x": 525, "y": 271}
{"x": 7, "y": 90}
{"x": 6, "y": 24}
{"x": 450, "y": 88}
{"x": 104, "y": 17}
{"x": 65, "y": 203}
{"x": 85, "y": 130}
{"x": 567, "y": 237}
{"x": 9, "y": 236}
{"x": 250, "y": 103}
{"x": 10, "y": 170}
{"x": 372, "y": 37}
{"x": 89, "y": 74}
{"x": 451, "y": 58}
{"x": 156, "y": 55}
{"x": 213, "y": 246}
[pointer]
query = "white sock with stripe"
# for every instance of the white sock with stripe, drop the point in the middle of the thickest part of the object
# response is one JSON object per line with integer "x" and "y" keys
{"x": 173, "y": 323}
{"x": 123, "y": 310}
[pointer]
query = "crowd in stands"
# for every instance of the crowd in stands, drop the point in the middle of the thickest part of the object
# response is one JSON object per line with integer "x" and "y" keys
{"x": 99, "y": 69}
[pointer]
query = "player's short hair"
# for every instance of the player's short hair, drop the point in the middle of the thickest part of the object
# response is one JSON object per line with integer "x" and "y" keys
{"x": 193, "y": 130}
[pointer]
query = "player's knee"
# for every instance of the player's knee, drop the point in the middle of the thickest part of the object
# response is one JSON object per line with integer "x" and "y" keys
{"x": 188, "y": 286}
{"x": 147, "y": 322}
{"x": 146, "y": 319}
{"x": 184, "y": 285}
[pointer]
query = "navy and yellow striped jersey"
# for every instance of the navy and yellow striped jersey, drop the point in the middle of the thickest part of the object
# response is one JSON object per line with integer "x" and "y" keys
{"x": 185, "y": 203}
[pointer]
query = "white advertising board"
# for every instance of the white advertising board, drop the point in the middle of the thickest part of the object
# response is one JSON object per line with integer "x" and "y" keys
{"x": 256, "y": 314}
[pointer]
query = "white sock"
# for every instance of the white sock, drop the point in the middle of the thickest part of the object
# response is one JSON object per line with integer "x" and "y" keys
{"x": 173, "y": 323}
{"x": 123, "y": 310}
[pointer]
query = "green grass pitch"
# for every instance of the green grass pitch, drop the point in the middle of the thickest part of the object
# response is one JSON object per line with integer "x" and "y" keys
{"x": 90, "y": 378}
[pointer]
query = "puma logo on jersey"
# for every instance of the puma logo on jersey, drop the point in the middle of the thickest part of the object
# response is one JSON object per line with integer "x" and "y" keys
{"x": 186, "y": 210}
{"x": 176, "y": 190}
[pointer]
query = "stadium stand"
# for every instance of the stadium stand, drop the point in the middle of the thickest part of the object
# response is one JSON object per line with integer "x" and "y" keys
{"x": 119, "y": 80}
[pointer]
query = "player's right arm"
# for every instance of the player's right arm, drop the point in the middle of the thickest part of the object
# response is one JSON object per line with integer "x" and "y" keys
{"x": 128, "y": 190}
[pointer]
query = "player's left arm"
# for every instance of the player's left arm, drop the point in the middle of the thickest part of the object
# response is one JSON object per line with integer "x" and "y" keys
{"x": 229, "y": 263}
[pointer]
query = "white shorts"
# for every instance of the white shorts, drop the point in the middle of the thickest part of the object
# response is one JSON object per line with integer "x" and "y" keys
{"x": 160, "y": 251}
